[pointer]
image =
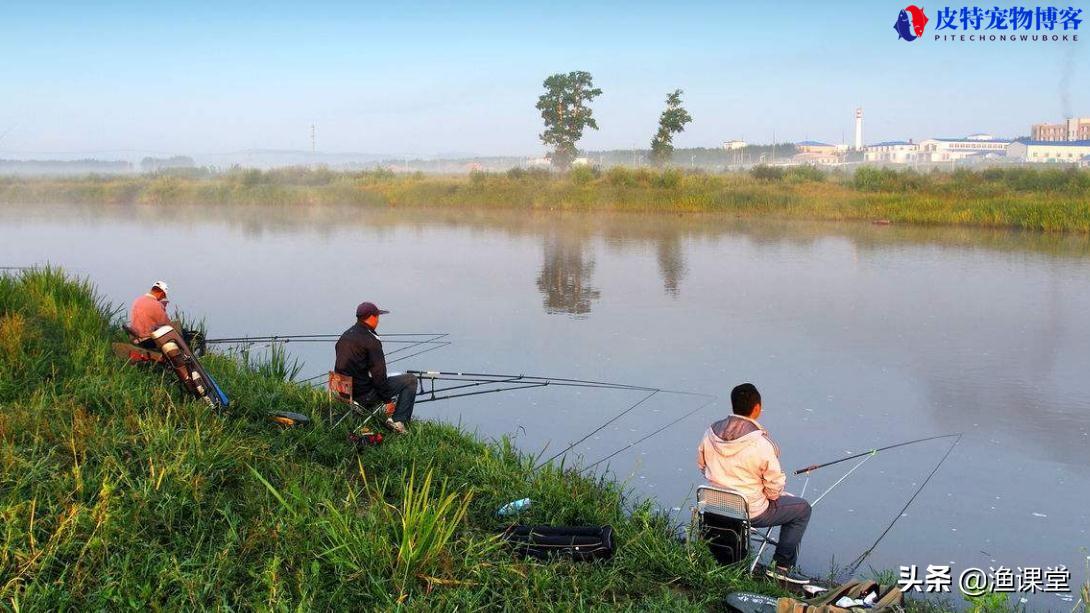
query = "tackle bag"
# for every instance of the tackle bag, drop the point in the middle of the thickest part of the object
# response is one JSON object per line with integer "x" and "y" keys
{"x": 579, "y": 543}
{"x": 193, "y": 377}
{"x": 846, "y": 598}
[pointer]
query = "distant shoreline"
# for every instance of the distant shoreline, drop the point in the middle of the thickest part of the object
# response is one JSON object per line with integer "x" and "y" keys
{"x": 1046, "y": 199}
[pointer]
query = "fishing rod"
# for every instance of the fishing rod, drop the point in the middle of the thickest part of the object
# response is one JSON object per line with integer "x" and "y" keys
{"x": 434, "y": 340}
{"x": 660, "y": 429}
{"x": 598, "y": 429}
{"x": 408, "y": 345}
{"x": 466, "y": 380}
{"x": 867, "y": 455}
{"x": 338, "y": 335}
{"x": 813, "y": 467}
{"x": 321, "y": 338}
{"x": 863, "y": 556}
{"x": 433, "y": 347}
{"x": 559, "y": 381}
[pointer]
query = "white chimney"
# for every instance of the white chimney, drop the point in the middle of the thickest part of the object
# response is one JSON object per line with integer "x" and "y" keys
{"x": 859, "y": 129}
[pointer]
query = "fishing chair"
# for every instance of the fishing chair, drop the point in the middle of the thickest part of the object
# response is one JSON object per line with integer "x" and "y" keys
{"x": 340, "y": 392}
{"x": 721, "y": 517}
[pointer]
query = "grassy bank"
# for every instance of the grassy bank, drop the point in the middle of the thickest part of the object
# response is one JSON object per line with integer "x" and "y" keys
{"x": 118, "y": 492}
{"x": 1048, "y": 199}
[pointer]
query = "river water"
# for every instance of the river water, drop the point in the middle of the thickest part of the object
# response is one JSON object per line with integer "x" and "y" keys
{"x": 857, "y": 336}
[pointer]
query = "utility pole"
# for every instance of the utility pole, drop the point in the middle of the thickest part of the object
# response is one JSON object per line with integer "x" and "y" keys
{"x": 313, "y": 139}
{"x": 773, "y": 147}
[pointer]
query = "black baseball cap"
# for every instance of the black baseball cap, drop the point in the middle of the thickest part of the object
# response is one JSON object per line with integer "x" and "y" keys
{"x": 367, "y": 309}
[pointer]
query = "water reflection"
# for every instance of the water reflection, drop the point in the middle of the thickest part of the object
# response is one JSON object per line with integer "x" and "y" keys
{"x": 566, "y": 277}
{"x": 672, "y": 268}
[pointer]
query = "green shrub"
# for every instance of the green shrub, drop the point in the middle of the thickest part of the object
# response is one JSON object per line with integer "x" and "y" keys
{"x": 876, "y": 179}
{"x": 668, "y": 179}
{"x": 767, "y": 173}
{"x": 582, "y": 175}
{"x": 804, "y": 173}
{"x": 619, "y": 176}
{"x": 478, "y": 177}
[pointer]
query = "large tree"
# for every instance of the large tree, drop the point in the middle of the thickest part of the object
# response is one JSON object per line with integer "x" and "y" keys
{"x": 565, "y": 111}
{"x": 671, "y": 122}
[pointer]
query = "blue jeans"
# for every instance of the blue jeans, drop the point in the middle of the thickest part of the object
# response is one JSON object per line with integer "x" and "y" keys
{"x": 791, "y": 514}
{"x": 404, "y": 389}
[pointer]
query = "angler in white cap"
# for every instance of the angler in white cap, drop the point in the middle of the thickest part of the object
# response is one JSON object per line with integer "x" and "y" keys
{"x": 148, "y": 313}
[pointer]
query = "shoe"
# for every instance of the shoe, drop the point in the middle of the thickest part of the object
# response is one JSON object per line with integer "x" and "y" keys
{"x": 788, "y": 574}
{"x": 396, "y": 426}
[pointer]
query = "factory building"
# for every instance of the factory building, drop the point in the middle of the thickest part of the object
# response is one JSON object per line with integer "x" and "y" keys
{"x": 817, "y": 159}
{"x": 977, "y": 146}
{"x": 892, "y": 152}
{"x": 1049, "y": 152}
{"x": 1074, "y": 129}
{"x": 819, "y": 154}
{"x": 813, "y": 146}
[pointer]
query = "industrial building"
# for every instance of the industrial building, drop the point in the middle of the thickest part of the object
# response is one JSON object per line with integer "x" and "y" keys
{"x": 977, "y": 146}
{"x": 819, "y": 154}
{"x": 1045, "y": 152}
{"x": 813, "y": 146}
{"x": 1074, "y": 129}
{"x": 817, "y": 159}
{"x": 892, "y": 152}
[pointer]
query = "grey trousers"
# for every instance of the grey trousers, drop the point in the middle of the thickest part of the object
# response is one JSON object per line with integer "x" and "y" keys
{"x": 791, "y": 514}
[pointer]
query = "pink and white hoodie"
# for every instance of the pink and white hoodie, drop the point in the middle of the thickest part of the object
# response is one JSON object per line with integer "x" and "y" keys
{"x": 737, "y": 454}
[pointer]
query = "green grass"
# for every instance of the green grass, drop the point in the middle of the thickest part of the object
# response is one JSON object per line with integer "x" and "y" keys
{"x": 1048, "y": 199}
{"x": 117, "y": 492}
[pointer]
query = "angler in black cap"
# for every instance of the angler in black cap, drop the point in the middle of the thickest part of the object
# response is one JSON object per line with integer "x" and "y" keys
{"x": 360, "y": 356}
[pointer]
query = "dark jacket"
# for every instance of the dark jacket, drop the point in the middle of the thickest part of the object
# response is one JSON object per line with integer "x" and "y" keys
{"x": 360, "y": 356}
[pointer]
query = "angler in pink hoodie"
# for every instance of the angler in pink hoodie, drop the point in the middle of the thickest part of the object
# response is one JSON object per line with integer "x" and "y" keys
{"x": 737, "y": 454}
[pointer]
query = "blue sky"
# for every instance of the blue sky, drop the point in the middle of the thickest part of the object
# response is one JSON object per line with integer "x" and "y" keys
{"x": 436, "y": 77}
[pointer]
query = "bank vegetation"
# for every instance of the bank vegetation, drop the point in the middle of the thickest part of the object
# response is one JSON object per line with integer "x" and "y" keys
{"x": 1048, "y": 199}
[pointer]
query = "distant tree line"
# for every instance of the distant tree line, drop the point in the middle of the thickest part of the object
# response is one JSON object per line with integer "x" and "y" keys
{"x": 64, "y": 166}
{"x": 150, "y": 164}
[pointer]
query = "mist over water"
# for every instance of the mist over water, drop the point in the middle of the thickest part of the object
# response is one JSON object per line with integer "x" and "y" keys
{"x": 857, "y": 336}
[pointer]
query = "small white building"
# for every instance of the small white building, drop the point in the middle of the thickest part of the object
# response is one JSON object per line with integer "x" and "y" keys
{"x": 954, "y": 149}
{"x": 892, "y": 152}
{"x": 1049, "y": 152}
{"x": 733, "y": 145}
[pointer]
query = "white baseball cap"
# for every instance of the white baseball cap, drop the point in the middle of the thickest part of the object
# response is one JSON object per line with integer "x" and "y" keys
{"x": 161, "y": 285}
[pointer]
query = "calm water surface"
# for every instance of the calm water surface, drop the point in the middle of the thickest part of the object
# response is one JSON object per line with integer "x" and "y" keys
{"x": 857, "y": 336}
